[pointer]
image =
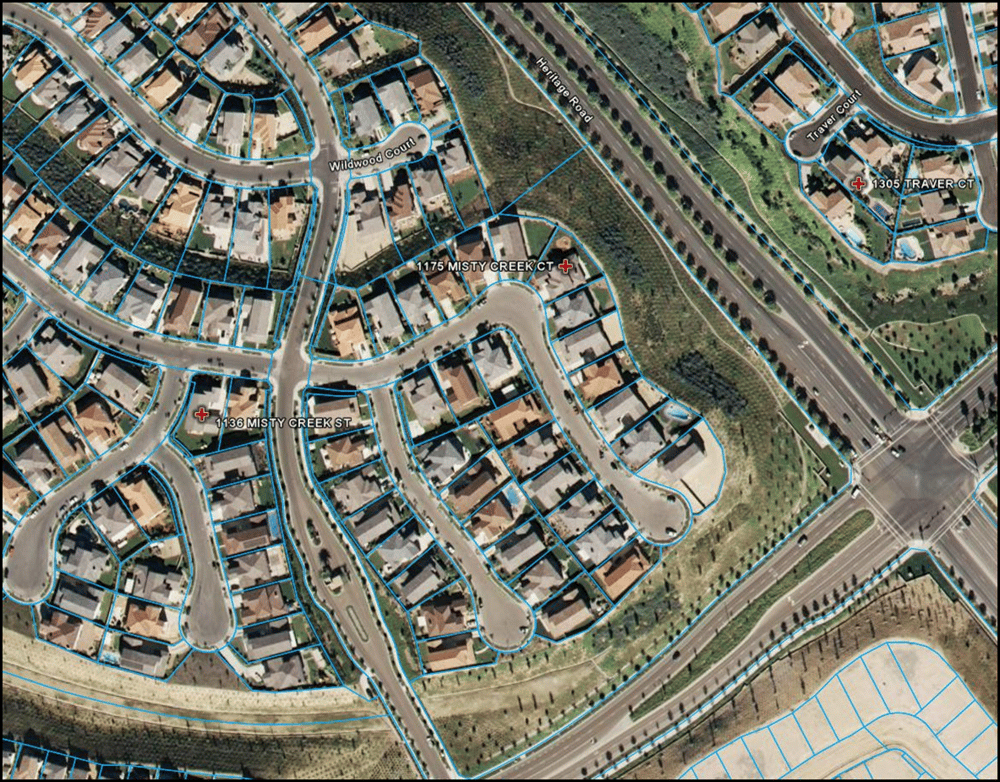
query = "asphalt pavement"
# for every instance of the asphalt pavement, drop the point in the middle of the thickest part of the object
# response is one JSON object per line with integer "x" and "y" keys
{"x": 805, "y": 342}
{"x": 608, "y": 731}
{"x": 970, "y": 547}
{"x": 505, "y": 620}
{"x": 21, "y": 326}
{"x": 209, "y": 621}
{"x": 507, "y": 304}
{"x": 800, "y": 334}
{"x": 973, "y": 127}
{"x": 816, "y": 355}
{"x": 965, "y": 61}
{"x": 851, "y": 75}
{"x": 30, "y": 558}
{"x": 147, "y": 125}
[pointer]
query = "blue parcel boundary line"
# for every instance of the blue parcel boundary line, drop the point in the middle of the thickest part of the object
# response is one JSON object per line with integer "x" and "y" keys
{"x": 62, "y": 409}
{"x": 270, "y": 475}
{"x": 979, "y": 490}
{"x": 409, "y": 517}
{"x": 813, "y": 7}
{"x": 872, "y": 709}
{"x": 347, "y": 650}
{"x": 327, "y": 500}
{"x": 612, "y": 312}
{"x": 199, "y": 74}
{"x": 667, "y": 243}
{"x": 763, "y": 659}
{"x": 785, "y": 263}
{"x": 169, "y": 715}
{"x": 99, "y": 656}
{"x": 57, "y": 764}
{"x": 493, "y": 447}
{"x": 891, "y": 244}
{"x": 895, "y": 230}
{"x": 146, "y": 160}
{"x": 414, "y": 333}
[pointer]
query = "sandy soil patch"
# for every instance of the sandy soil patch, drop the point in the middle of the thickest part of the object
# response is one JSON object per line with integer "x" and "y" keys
{"x": 838, "y": 758}
{"x": 56, "y": 667}
{"x": 815, "y": 726}
{"x": 765, "y": 751}
{"x": 926, "y": 672}
{"x": 788, "y": 734}
{"x": 865, "y": 698}
{"x": 738, "y": 762}
{"x": 888, "y": 765}
{"x": 850, "y": 702}
{"x": 900, "y": 731}
{"x": 839, "y": 709}
{"x": 916, "y": 609}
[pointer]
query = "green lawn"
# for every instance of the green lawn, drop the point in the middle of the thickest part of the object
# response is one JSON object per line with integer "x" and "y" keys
{"x": 537, "y": 234}
{"x": 399, "y": 627}
{"x": 980, "y": 432}
{"x": 327, "y": 635}
{"x": 934, "y": 354}
{"x": 772, "y": 483}
{"x": 837, "y": 470}
{"x": 749, "y": 166}
{"x": 865, "y": 45}
{"x": 193, "y": 443}
{"x": 464, "y": 193}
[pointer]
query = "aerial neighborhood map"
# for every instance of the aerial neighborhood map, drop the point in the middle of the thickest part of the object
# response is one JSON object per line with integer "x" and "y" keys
{"x": 500, "y": 390}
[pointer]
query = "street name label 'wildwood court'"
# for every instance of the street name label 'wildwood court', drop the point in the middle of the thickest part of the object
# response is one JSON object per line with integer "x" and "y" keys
{"x": 372, "y": 160}
{"x": 563, "y": 90}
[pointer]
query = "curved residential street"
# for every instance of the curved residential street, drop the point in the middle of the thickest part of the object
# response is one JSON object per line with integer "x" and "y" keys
{"x": 22, "y": 325}
{"x": 508, "y": 304}
{"x": 892, "y": 480}
{"x": 852, "y": 76}
{"x": 973, "y": 127}
{"x": 208, "y": 621}
{"x": 155, "y": 132}
{"x": 505, "y": 620}
{"x": 806, "y": 343}
{"x": 30, "y": 556}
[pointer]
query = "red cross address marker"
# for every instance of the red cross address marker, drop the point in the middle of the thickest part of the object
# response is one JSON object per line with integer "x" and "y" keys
{"x": 565, "y": 266}
{"x": 858, "y": 183}
{"x": 201, "y": 414}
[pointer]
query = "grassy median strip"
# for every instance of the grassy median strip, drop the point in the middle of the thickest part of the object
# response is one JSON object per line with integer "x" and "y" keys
{"x": 835, "y": 466}
{"x": 328, "y": 637}
{"x": 396, "y": 622}
{"x": 679, "y": 79}
{"x": 741, "y": 624}
{"x": 980, "y": 432}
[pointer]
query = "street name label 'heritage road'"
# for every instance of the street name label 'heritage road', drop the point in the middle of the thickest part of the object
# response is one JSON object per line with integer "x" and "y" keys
{"x": 841, "y": 109}
{"x": 562, "y": 89}
{"x": 381, "y": 157}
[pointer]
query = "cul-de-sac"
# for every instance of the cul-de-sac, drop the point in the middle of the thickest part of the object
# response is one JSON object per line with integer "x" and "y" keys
{"x": 583, "y": 390}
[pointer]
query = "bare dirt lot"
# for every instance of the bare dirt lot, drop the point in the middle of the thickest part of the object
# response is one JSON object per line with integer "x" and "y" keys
{"x": 917, "y": 610}
{"x": 127, "y": 728}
